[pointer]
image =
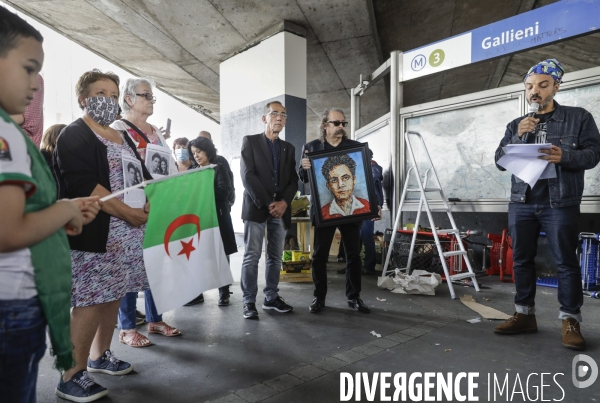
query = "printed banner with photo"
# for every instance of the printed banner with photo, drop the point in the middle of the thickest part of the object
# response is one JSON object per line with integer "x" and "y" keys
{"x": 158, "y": 160}
{"x": 132, "y": 175}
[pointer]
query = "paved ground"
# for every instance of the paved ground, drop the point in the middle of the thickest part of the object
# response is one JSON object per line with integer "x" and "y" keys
{"x": 298, "y": 357}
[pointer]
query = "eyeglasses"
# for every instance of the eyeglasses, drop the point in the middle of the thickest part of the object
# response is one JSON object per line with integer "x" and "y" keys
{"x": 336, "y": 123}
{"x": 275, "y": 114}
{"x": 148, "y": 96}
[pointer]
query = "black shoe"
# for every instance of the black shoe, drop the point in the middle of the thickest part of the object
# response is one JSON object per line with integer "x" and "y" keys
{"x": 224, "y": 294}
{"x": 341, "y": 271}
{"x": 277, "y": 304}
{"x": 368, "y": 272}
{"x": 359, "y": 305}
{"x": 197, "y": 300}
{"x": 341, "y": 260}
{"x": 316, "y": 306}
{"x": 224, "y": 299}
{"x": 250, "y": 311}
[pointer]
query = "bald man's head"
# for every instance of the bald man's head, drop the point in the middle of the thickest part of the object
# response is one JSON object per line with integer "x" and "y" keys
{"x": 205, "y": 134}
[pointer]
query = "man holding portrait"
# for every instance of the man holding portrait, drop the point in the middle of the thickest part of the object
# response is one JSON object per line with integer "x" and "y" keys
{"x": 339, "y": 173}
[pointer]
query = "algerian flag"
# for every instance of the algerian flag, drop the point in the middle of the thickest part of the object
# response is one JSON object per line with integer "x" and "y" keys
{"x": 183, "y": 251}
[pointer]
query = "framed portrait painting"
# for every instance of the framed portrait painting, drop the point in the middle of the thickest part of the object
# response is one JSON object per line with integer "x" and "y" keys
{"x": 342, "y": 185}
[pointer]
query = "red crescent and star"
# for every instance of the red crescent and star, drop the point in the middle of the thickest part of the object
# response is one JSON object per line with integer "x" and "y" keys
{"x": 186, "y": 247}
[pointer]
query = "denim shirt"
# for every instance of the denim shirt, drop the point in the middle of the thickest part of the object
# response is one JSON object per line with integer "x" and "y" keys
{"x": 572, "y": 129}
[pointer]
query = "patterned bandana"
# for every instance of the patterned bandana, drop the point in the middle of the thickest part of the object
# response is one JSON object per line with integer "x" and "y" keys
{"x": 102, "y": 109}
{"x": 551, "y": 67}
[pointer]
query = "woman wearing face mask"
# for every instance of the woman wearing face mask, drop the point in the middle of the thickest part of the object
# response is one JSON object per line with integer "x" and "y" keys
{"x": 107, "y": 257}
{"x": 204, "y": 153}
{"x": 182, "y": 156}
{"x": 137, "y": 101}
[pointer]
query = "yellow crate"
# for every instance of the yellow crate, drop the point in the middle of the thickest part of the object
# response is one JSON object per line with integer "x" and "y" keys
{"x": 299, "y": 256}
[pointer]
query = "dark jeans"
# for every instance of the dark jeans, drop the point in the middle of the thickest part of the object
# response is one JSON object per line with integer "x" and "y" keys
{"x": 351, "y": 243}
{"x": 22, "y": 346}
{"x": 366, "y": 237}
{"x": 560, "y": 224}
{"x": 128, "y": 306}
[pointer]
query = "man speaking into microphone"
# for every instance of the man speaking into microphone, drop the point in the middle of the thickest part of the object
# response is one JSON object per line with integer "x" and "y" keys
{"x": 552, "y": 205}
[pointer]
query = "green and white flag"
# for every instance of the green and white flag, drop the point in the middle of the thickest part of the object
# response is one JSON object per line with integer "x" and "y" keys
{"x": 183, "y": 251}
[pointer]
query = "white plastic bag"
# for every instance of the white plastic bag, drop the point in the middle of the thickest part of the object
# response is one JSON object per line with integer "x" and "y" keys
{"x": 419, "y": 282}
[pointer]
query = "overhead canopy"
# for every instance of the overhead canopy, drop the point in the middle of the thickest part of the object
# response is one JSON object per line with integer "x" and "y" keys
{"x": 181, "y": 44}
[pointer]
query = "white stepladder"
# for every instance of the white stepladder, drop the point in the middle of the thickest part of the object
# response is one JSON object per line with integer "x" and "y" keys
{"x": 423, "y": 189}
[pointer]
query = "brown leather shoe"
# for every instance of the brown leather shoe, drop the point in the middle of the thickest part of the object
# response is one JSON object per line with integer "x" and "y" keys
{"x": 518, "y": 323}
{"x": 571, "y": 335}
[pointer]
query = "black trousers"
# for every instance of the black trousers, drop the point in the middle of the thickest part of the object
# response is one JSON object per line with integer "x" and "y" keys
{"x": 351, "y": 243}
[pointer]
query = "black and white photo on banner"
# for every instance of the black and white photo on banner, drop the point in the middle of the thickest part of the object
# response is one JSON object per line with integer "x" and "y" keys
{"x": 158, "y": 160}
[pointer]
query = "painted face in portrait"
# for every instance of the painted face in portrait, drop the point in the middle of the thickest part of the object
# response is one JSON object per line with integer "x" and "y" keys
{"x": 341, "y": 183}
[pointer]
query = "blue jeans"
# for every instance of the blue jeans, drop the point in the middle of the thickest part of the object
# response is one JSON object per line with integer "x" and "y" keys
{"x": 128, "y": 306}
{"x": 22, "y": 346}
{"x": 366, "y": 237}
{"x": 254, "y": 234}
{"x": 560, "y": 224}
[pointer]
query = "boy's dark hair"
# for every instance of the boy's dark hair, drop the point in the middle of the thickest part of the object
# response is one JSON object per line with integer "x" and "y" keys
{"x": 13, "y": 28}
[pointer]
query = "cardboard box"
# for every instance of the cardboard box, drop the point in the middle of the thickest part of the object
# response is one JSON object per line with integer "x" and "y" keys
{"x": 299, "y": 256}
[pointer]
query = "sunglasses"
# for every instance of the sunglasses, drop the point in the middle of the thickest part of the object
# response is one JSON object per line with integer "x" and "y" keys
{"x": 336, "y": 123}
{"x": 148, "y": 96}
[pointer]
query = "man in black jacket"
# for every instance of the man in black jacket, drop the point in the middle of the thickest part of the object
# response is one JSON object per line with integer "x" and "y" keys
{"x": 270, "y": 184}
{"x": 332, "y": 135}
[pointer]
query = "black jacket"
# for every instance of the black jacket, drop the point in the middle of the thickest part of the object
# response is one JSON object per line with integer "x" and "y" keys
{"x": 81, "y": 163}
{"x": 259, "y": 183}
{"x": 576, "y": 133}
{"x": 223, "y": 189}
{"x": 221, "y": 160}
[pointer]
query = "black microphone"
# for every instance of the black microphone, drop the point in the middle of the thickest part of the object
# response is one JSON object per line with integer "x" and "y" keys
{"x": 533, "y": 108}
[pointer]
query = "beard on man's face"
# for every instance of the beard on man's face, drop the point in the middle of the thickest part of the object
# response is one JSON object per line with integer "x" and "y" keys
{"x": 543, "y": 102}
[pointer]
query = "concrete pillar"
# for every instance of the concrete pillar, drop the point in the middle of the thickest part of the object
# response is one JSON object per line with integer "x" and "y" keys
{"x": 272, "y": 68}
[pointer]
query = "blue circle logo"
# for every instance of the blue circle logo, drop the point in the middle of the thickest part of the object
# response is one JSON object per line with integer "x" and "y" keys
{"x": 418, "y": 62}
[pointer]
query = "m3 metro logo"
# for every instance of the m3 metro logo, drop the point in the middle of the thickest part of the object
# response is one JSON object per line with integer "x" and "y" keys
{"x": 584, "y": 371}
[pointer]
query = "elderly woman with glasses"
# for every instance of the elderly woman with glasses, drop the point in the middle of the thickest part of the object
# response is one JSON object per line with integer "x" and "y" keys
{"x": 137, "y": 102}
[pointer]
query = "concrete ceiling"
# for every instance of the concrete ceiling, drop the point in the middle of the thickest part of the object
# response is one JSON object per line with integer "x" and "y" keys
{"x": 181, "y": 43}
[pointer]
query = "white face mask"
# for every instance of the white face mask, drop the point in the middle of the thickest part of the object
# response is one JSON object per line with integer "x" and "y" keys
{"x": 182, "y": 154}
{"x": 103, "y": 110}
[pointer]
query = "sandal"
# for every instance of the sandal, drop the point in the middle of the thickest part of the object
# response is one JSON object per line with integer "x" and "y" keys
{"x": 134, "y": 339}
{"x": 164, "y": 329}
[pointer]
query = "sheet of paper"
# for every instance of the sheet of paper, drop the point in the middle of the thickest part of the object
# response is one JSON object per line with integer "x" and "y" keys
{"x": 527, "y": 149}
{"x": 549, "y": 172}
{"x": 132, "y": 176}
{"x": 522, "y": 161}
